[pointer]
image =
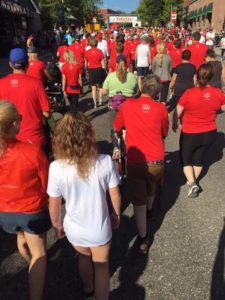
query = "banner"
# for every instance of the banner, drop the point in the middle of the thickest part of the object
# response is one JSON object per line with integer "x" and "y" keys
{"x": 173, "y": 16}
{"x": 123, "y": 19}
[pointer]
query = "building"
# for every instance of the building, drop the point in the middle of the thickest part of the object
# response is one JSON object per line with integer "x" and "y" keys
{"x": 17, "y": 17}
{"x": 105, "y": 13}
{"x": 203, "y": 14}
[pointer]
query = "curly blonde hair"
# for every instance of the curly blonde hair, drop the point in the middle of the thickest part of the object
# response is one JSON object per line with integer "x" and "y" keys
{"x": 69, "y": 57}
{"x": 74, "y": 142}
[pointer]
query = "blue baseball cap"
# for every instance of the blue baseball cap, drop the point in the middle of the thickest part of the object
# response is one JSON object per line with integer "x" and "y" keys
{"x": 18, "y": 57}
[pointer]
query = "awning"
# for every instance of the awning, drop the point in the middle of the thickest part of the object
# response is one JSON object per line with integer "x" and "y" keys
{"x": 19, "y": 7}
{"x": 204, "y": 10}
{"x": 199, "y": 12}
{"x": 192, "y": 14}
{"x": 210, "y": 8}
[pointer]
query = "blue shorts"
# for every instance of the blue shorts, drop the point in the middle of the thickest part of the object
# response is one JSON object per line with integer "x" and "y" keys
{"x": 142, "y": 71}
{"x": 35, "y": 223}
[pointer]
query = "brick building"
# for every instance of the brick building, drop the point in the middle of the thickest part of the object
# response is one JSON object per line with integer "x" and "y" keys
{"x": 205, "y": 14}
{"x": 105, "y": 13}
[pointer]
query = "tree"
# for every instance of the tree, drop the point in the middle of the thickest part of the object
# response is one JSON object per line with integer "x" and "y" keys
{"x": 56, "y": 11}
{"x": 150, "y": 11}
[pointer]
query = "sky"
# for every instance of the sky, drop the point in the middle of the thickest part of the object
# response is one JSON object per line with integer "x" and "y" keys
{"x": 124, "y": 5}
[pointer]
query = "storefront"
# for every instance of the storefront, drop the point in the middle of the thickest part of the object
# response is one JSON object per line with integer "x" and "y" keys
{"x": 17, "y": 20}
{"x": 205, "y": 14}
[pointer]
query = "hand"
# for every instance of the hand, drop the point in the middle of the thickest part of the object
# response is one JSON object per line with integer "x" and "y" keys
{"x": 60, "y": 232}
{"x": 64, "y": 93}
{"x": 115, "y": 221}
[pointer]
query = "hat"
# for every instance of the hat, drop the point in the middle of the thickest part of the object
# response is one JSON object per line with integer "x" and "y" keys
{"x": 18, "y": 57}
{"x": 120, "y": 58}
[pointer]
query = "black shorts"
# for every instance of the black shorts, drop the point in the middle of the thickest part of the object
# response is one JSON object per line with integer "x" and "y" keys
{"x": 142, "y": 71}
{"x": 193, "y": 147}
{"x": 97, "y": 76}
{"x": 35, "y": 223}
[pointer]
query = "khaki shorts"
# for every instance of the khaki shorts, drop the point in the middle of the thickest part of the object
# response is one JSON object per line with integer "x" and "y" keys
{"x": 142, "y": 180}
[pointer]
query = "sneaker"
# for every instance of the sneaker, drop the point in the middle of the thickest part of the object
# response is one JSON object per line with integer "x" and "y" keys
{"x": 143, "y": 244}
{"x": 193, "y": 190}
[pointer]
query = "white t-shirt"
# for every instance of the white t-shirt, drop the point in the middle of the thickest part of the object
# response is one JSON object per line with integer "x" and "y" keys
{"x": 143, "y": 55}
{"x": 202, "y": 39}
{"x": 222, "y": 43}
{"x": 87, "y": 221}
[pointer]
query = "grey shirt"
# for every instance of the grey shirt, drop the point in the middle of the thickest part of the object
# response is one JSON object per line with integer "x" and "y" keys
{"x": 163, "y": 72}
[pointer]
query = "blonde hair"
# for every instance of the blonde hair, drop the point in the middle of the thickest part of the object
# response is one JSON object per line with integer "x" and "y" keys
{"x": 74, "y": 141}
{"x": 160, "y": 54}
{"x": 32, "y": 56}
{"x": 121, "y": 71}
{"x": 69, "y": 57}
{"x": 8, "y": 114}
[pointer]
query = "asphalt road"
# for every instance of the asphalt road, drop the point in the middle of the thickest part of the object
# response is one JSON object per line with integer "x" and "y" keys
{"x": 186, "y": 258}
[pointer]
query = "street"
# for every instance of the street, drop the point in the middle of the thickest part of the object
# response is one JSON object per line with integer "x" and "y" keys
{"x": 186, "y": 258}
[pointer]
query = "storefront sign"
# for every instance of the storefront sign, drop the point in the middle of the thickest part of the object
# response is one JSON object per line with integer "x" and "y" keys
{"x": 14, "y": 8}
{"x": 122, "y": 19}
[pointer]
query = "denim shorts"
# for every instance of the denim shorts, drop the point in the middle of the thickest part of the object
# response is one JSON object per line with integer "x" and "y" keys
{"x": 34, "y": 223}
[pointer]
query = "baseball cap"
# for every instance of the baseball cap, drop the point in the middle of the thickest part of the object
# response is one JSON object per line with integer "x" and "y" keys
{"x": 18, "y": 57}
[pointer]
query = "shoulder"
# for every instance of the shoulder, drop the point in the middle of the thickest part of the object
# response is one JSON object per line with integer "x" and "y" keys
{"x": 104, "y": 159}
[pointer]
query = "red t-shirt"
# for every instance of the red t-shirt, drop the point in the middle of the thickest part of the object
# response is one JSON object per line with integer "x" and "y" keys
{"x": 60, "y": 52}
{"x": 176, "y": 56}
{"x": 94, "y": 57}
{"x": 23, "y": 179}
{"x": 78, "y": 52}
{"x": 28, "y": 95}
{"x": 36, "y": 69}
{"x": 71, "y": 73}
{"x": 146, "y": 124}
{"x": 113, "y": 56}
{"x": 200, "y": 107}
{"x": 198, "y": 52}
{"x": 131, "y": 46}
{"x": 153, "y": 52}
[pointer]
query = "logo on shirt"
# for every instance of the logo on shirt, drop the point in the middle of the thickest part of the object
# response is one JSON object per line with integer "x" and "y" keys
{"x": 206, "y": 96}
{"x": 146, "y": 108}
{"x": 14, "y": 83}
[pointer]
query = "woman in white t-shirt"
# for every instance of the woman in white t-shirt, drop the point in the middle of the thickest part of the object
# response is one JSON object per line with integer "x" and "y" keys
{"x": 82, "y": 178}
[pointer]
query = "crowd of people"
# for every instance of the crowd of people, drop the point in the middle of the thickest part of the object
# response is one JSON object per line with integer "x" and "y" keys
{"x": 144, "y": 72}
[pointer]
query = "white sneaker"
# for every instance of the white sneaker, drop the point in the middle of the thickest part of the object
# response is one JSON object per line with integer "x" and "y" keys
{"x": 193, "y": 190}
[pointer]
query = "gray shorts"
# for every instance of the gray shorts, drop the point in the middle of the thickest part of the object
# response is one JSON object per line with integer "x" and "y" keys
{"x": 34, "y": 223}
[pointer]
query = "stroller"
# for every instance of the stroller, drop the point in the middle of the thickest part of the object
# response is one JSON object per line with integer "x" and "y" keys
{"x": 53, "y": 88}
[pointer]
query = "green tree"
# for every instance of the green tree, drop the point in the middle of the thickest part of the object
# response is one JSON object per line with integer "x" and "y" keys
{"x": 82, "y": 10}
{"x": 150, "y": 11}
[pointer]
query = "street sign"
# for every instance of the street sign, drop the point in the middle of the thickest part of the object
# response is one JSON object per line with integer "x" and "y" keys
{"x": 173, "y": 16}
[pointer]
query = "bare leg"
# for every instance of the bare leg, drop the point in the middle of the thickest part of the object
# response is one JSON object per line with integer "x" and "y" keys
{"x": 94, "y": 94}
{"x": 100, "y": 95}
{"x": 140, "y": 219}
{"x": 23, "y": 247}
{"x": 100, "y": 257}
{"x": 197, "y": 171}
{"x": 139, "y": 82}
{"x": 189, "y": 174}
{"x": 37, "y": 267}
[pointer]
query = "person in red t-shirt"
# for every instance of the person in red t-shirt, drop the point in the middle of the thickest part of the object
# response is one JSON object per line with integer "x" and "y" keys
{"x": 78, "y": 51}
{"x": 119, "y": 49}
{"x": 60, "y": 53}
{"x": 36, "y": 67}
{"x": 96, "y": 67}
{"x": 146, "y": 123}
{"x": 199, "y": 107}
{"x": 198, "y": 50}
{"x": 153, "y": 48}
{"x": 29, "y": 97}
{"x": 71, "y": 79}
{"x": 176, "y": 54}
{"x": 23, "y": 198}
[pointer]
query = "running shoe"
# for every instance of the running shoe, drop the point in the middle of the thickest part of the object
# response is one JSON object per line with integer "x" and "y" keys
{"x": 193, "y": 190}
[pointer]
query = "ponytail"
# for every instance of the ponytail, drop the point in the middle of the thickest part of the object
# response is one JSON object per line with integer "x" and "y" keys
{"x": 121, "y": 71}
{"x": 160, "y": 54}
{"x": 204, "y": 75}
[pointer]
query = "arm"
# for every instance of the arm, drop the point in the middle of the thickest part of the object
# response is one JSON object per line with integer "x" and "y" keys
{"x": 116, "y": 206}
{"x": 149, "y": 59}
{"x": 195, "y": 80}
{"x": 55, "y": 215}
{"x": 165, "y": 127}
{"x": 177, "y": 114}
{"x": 173, "y": 80}
{"x": 64, "y": 84}
{"x": 223, "y": 74}
{"x": 80, "y": 82}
